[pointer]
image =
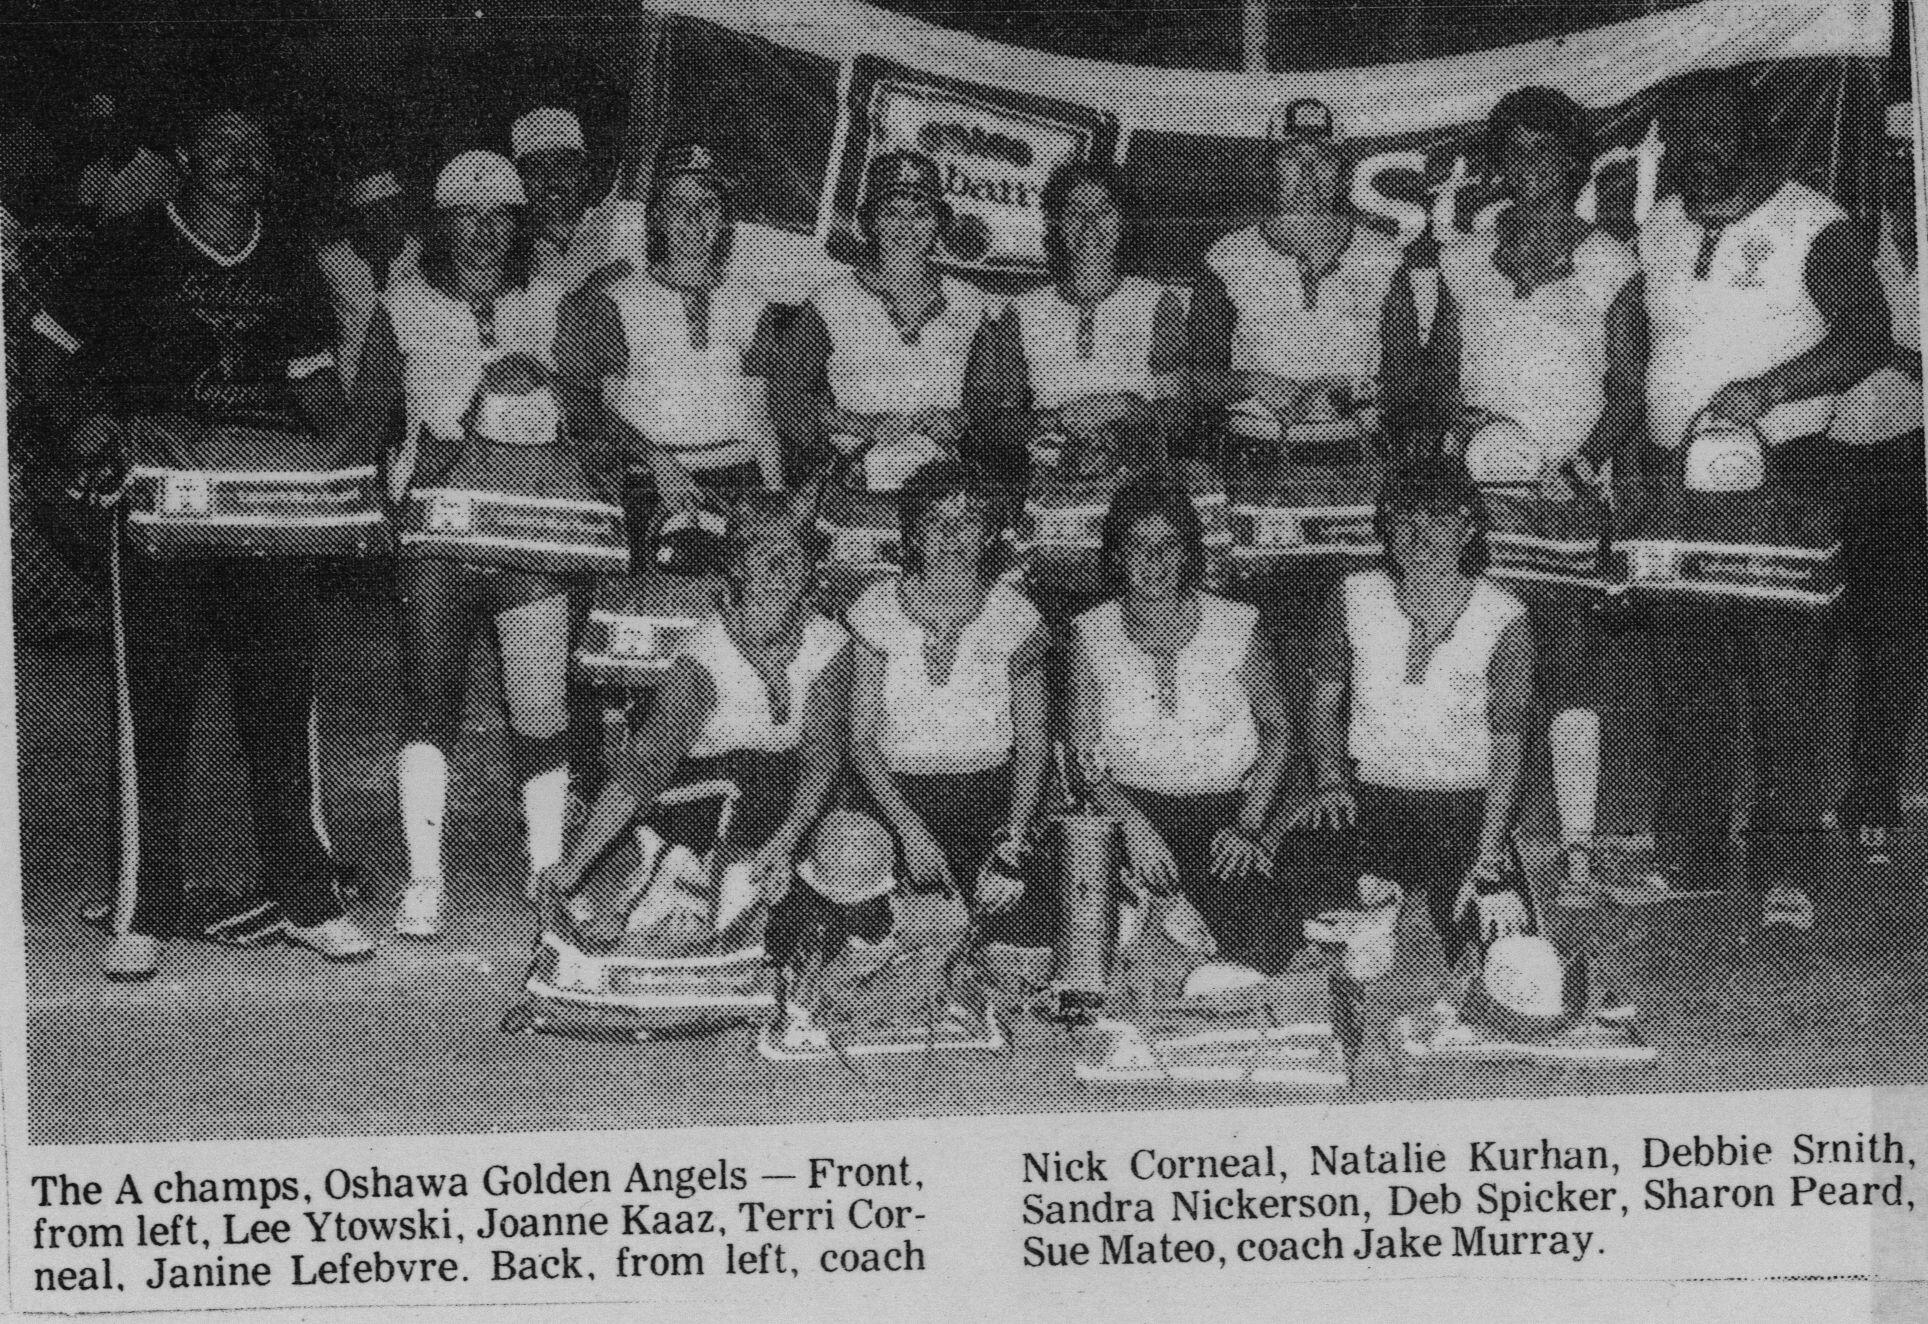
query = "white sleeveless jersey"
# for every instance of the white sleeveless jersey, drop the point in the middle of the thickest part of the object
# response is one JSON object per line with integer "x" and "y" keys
{"x": 1200, "y": 739}
{"x": 964, "y": 724}
{"x": 741, "y": 719}
{"x": 1542, "y": 360}
{"x": 698, "y": 403}
{"x": 1276, "y": 333}
{"x": 1749, "y": 314}
{"x": 1435, "y": 735}
{"x": 875, "y": 369}
{"x": 442, "y": 351}
{"x": 1120, "y": 343}
{"x": 1886, "y": 403}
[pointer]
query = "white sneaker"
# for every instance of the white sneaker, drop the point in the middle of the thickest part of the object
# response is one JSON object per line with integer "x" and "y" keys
{"x": 420, "y": 914}
{"x": 1787, "y": 908}
{"x": 132, "y": 958}
{"x": 1579, "y": 887}
{"x": 1217, "y": 978}
{"x": 338, "y": 939}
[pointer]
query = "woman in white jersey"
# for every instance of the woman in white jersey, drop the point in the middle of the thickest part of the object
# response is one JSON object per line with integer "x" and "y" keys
{"x": 433, "y": 339}
{"x": 948, "y": 704}
{"x": 673, "y": 356}
{"x": 1539, "y": 322}
{"x": 1422, "y": 689}
{"x": 891, "y": 354}
{"x": 1104, "y": 352}
{"x": 1175, "y": 697}
{"x": 1884, "y": 605}
{"x": 759, "y": 698}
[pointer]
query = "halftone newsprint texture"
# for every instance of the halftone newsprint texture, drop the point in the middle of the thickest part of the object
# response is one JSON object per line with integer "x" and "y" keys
{"x": 740, "y": 564}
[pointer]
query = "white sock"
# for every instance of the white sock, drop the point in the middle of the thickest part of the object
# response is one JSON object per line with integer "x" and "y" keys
{"x": 545, "y": 804}
{"x": 1574, "y": 738}
{"x": 423, "y": 773}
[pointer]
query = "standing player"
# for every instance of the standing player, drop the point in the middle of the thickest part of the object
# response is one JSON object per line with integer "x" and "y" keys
{"x": 1762, "y": 305}
{"x": 1884, "y": 608}
{"x": 572, "y": 240}
{"x": 1103, "y": 351}
{"x": 893, "y": 353}
{"x": 430, "y": 347}
{"x": 1307, "y": 304}
{"x": 375, "y": 248}
{"x": 672, "y": 354}
{"x": 1540, "y": 322}
{"x": 204, "y": 333}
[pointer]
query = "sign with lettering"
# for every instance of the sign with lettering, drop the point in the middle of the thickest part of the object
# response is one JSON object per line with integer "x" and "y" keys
{"x": 994, "y": 149}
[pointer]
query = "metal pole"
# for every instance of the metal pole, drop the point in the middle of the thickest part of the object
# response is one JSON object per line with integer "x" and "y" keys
{"x": 1257, "y": 59}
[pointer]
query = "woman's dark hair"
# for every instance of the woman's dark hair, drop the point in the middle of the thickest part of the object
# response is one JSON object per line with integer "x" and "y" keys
{"x": 1436, "y": 483}
{"x": 1116, "y": 185}
{"x": 658, "y": 250}
{"x": 438, "y": 258}
{"x": 1141, "y": 499}
{"x": 1543, "y": 110}
{"x": 930, "y": 486}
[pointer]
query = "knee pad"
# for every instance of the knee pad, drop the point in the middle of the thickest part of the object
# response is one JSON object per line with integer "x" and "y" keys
{"x": 531, "y": 756}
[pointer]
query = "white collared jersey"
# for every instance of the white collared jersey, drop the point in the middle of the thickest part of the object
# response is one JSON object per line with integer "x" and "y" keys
{"x": 351, "y": 286}
{"x": 1434, "y": 733}
{"x": 1749, "y": 313}
{"x": 1198, "y": 737}
{"x": 1109, "y": 348}
{"x": 742, "y": 718}
{"x": 1540, "y": 360}
{"x": 445, "y": 346}
{"x": 691, "y": 390}
{"x": 876, "y": 368}
{"x": 1276, "y": 332}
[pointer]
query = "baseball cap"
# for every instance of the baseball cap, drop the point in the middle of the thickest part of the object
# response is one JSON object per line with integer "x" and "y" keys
{"x": 1306, "y": 119}
{"x": 371, "y": 188}
{"x": 903, "y": 174}
{"x": 482, "y": 180}
{"x": 689, "y": 160}
{"x": 545, "y": 129}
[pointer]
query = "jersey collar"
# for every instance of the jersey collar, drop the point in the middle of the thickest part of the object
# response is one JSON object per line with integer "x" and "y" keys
{"x": 212, "y": 253}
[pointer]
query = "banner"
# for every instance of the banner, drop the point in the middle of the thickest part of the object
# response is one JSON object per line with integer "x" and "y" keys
{"x": 802, "y": 95}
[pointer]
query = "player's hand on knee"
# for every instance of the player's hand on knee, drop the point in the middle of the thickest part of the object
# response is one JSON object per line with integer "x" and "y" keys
{"x": 1332, "y": 809}
{"x": 1151, "y": 859}
{"x": 1237, "y": 856}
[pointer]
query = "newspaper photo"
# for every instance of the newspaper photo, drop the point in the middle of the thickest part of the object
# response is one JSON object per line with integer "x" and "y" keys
{"x": 723, "y": 656}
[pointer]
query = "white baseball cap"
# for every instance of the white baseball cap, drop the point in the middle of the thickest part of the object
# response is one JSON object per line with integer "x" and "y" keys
{"x": 372, "y": 188}
{"x": 482, "y": 180}
{"x": 545, "y": 129}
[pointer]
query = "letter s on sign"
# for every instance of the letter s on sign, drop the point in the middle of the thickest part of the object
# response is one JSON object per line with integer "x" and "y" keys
{"x": 1410, "y": 217}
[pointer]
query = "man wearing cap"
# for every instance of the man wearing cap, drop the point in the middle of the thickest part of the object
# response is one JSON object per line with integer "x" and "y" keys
{"x": 572, "y": 240}
{"x": 1761, "y": 307}
{"x": 1307, "y": 305}
{"x": 376, "y": 246}
{"x": 203, "y": 335}
{"x": 1884, "y": 607}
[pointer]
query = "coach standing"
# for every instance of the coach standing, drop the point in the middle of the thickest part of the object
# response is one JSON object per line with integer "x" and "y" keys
{"x": 1762, "y": 305}
{"x": 205, "y": 330}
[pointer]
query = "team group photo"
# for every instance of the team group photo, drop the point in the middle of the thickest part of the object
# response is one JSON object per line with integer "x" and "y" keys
{"x": 664, "y": 570}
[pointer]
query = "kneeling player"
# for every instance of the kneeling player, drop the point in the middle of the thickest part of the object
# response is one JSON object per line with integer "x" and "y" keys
{"x": 758, "y": 699}
{"x": 1422, "y": 769}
